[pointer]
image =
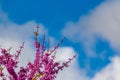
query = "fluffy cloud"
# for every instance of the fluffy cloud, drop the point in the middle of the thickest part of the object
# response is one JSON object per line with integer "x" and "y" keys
{"x": 102, "y": 22}
{"x": 73, "y": 72}
{"x": 110, "y": 72}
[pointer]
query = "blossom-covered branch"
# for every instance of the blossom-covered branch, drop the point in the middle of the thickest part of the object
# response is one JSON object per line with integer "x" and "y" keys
{"x": 44, "y": 67}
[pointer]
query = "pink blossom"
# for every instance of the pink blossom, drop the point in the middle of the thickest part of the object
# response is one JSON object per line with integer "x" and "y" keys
{"x": 44, "y": 66}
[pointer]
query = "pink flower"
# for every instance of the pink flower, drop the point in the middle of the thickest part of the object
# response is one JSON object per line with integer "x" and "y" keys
{"x": 44, "y": 66}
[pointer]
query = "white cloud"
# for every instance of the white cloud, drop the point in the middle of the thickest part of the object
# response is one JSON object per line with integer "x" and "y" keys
{"x": 110, "y": 72}
{"x": 73, "y": 72}
{"x": 102, "y": 22}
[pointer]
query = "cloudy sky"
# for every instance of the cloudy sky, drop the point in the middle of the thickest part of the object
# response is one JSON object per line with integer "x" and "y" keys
{"x": 91, "y": 29}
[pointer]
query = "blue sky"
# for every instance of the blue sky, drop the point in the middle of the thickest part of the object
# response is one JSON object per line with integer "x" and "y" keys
{"x": 90, "y": 27}
{"x": 52, "y": 14}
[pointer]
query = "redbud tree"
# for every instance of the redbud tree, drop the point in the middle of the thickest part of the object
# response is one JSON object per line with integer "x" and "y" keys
{"x": 44, "y": 66}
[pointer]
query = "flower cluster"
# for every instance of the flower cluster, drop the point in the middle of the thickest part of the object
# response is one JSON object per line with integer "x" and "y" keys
{"x": 44, "y": 66}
